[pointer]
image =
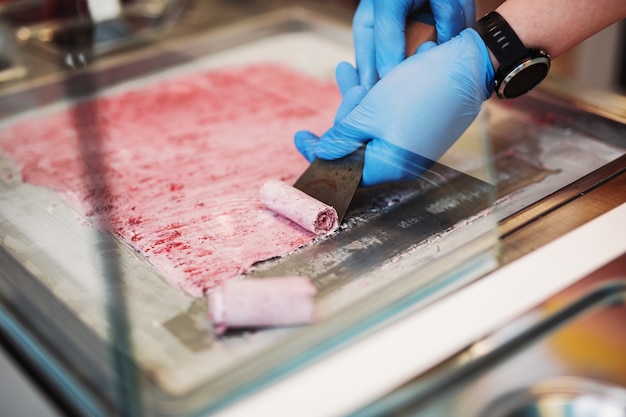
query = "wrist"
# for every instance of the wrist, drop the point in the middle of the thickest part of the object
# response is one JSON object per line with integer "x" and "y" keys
{"x": 518, "y": 69}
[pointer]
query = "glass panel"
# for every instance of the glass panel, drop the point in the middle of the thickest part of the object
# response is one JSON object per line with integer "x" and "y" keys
{"x": 150, "y": 327}
{"x": 141, "y": 144}
{"x": 499, "y": 375}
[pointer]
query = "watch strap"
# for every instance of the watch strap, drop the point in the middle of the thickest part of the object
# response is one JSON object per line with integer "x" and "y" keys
{"x": 500, "y": 38}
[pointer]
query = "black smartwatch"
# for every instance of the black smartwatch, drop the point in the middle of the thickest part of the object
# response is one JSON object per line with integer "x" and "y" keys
{"x": 521, "y": 69}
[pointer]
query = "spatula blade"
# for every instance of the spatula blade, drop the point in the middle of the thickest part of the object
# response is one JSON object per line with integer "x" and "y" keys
{"x": 333, "y": 182}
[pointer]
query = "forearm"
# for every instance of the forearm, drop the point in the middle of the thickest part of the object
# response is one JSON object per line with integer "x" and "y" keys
{"x": 556, "y": 26}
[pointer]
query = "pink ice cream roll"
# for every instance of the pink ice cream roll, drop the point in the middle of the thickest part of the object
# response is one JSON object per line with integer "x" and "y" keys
{"x": 262, "y": 302}
{"x": 299, "y": 207}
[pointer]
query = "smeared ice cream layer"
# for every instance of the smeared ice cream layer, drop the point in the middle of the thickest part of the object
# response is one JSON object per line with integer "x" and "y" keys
{"x": 184, "y": 160}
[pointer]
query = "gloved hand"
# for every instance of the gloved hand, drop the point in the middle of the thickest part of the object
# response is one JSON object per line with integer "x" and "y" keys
{"x": 413, "y": 115}
{"x": 379, "y": 30}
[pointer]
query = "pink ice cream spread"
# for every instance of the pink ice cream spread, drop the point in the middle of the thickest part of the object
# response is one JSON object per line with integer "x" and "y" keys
{"x": 185, "y": 159}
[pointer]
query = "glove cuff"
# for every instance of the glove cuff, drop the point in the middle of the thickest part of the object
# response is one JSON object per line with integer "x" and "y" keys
{"x": 490, "y": 74}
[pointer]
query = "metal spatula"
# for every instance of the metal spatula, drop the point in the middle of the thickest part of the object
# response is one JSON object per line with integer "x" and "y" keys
{"x": 333, "y": 182}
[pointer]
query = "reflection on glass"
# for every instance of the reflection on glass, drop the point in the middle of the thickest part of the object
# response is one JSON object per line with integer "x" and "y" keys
{"x": 116, "y": 200}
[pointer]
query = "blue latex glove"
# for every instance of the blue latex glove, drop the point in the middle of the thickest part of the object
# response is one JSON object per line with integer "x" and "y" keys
{"x": 379, "y": 25}
{"x": 413, "y": 115}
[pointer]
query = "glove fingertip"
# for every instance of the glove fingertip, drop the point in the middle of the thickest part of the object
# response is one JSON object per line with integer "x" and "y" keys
{"x": 347, "y": 77}
{"x": 469, "y": 11}
{"x": 350, "y": 100}
{"x": 305, "y": 142}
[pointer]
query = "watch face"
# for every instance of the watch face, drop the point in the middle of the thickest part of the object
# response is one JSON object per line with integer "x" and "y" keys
{"x": 523, "y": 77}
